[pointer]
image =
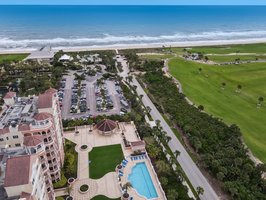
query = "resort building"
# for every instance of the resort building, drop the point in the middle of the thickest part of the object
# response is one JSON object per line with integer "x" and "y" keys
{"x": 31, "y": 132}
{"x": 44, "y": 54}
{"x": 9, "y": 98}
{"x": 24, "y": 178}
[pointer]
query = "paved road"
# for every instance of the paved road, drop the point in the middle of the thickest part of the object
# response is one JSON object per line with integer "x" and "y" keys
{"x": 190, "y": 168}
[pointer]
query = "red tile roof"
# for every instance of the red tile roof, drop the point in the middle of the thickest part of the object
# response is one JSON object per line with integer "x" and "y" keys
{"x": 26, "y": 196}
{"x": 51, "y": 91}
{"x": 42, "y": 116}
{"x": 10, "y": 95}
{"x": 4, "y": 130}
{"x": 32, "y": 141}
{"x": 106, "y": 125}
{"x": 23, "y": 127}
{"x": 45, "y": 100}
{"x": 17, "y": 171}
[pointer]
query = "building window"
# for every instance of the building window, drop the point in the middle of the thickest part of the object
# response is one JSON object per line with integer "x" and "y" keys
{"x": 15, "y": 136}
{"x": 6, "y": 138}
{"x": 49, "y": 161}
{"x": 45, "y": 140}
{"x": 1, "y": 139}
{"x": 17, "y": 145}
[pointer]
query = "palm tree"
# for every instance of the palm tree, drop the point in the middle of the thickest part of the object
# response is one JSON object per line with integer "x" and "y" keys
{"x": 162, "y": 167}
{"x": 130, "y": 78}
{"x": 200, "y": 70}
{"x": 223, "y": 85}
{"x": 200, "y": 191}
{"x": 172, "y": 194}
{"x": 167, "y": 139}
{"x": 177, "y": 153}
{"x": 201, "y": 107}
{"x": 148, "y": 109}
{"x": 69, "y": 188}
{"x": 261, "y": 99}
{"x": 239, "y": 87}
{"x": 126, "y": 187}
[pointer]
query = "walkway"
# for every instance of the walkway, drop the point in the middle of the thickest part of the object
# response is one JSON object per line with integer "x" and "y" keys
{"x": 191, "y": 170}
{"x": 108, "y": 184}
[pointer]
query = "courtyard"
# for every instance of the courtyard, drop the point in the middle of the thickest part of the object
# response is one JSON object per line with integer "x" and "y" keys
{"x": 100, "y": 153}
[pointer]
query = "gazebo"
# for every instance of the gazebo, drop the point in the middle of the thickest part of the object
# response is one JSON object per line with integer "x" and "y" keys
{"x": 106, "y": 127}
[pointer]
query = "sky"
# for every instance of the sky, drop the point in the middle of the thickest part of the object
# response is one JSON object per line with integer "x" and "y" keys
{"x": 134, "y": 2}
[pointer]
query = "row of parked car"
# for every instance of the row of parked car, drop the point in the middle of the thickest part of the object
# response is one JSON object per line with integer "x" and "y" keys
{"x": 61, "y": 91}
{"x": 83, "y": 99}
{"x": 122, "y": 98}
{"x": 74, "y": 97}
{"x": 103, "y": 99}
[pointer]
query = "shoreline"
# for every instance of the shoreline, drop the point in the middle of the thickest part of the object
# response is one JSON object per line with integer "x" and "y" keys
{"x": 141, "y": 46}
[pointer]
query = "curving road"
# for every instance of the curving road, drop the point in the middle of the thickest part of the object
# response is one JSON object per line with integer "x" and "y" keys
{"x": 189, "y": 167}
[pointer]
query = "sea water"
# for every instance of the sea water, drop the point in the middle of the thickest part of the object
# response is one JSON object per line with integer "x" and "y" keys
{"x": 27, "y": 27}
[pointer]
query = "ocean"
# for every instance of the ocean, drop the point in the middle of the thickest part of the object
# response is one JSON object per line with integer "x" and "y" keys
{"x": 29, "y": 27}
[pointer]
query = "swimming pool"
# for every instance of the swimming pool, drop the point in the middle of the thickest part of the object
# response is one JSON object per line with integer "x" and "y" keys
{"x": 141, "y": 181}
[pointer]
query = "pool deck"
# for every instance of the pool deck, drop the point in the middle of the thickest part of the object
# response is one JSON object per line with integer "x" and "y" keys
{"x": 132, "y": 192}
{"x": 109, "y": 184}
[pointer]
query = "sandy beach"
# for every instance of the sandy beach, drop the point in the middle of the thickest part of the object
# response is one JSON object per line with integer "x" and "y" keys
{"x": 141, "y": 46}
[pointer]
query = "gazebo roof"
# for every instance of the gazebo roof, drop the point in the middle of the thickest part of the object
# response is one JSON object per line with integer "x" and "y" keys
{"x": 106, "y": 125}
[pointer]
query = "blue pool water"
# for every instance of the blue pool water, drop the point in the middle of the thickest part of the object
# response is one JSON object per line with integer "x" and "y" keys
{"x": 141, "y": 181}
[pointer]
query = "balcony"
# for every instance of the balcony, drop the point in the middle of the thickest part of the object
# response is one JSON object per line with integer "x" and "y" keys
{"x": 43, "y": 125}
{"x": 48, "y": 142}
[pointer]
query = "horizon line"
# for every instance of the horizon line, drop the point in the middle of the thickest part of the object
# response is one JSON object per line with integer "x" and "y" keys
{"x": 132, "y": 5}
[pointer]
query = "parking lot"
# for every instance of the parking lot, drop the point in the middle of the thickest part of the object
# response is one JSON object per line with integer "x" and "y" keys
{"x": 90, "y": 97}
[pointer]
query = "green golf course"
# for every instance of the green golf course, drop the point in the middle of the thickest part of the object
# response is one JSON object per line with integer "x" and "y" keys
{"x": 216, "y": 88}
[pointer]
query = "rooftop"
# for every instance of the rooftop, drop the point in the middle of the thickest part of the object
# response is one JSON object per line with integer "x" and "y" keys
{"x": 21, "y": 111}
{"x": 106, "y": 125}
{"x": 32, "y": 141}
{"x": 24, "y": 112}
{"x": 10, "y": 95}
{"x": 17, "y": 171}
{"x": 42, "y": 53}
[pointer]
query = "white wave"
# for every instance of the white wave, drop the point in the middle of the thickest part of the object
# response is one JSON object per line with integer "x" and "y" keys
{"x": 8, "y": 43}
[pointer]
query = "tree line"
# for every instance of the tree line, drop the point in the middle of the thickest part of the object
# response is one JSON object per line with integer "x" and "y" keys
{"x": 219, "y": 147}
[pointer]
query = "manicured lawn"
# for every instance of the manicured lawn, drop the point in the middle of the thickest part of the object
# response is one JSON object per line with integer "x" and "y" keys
{"x": 156, "y": 57}
{"x": 104, "y": 160}
{"x": 239, "y": 108}
{"x": 12, "y": 57}
{"x": 100, "y": 197}
{"x": 225, "y": 49}
{"x": 245, "y": 48}
{"x": 234, "y": 57}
